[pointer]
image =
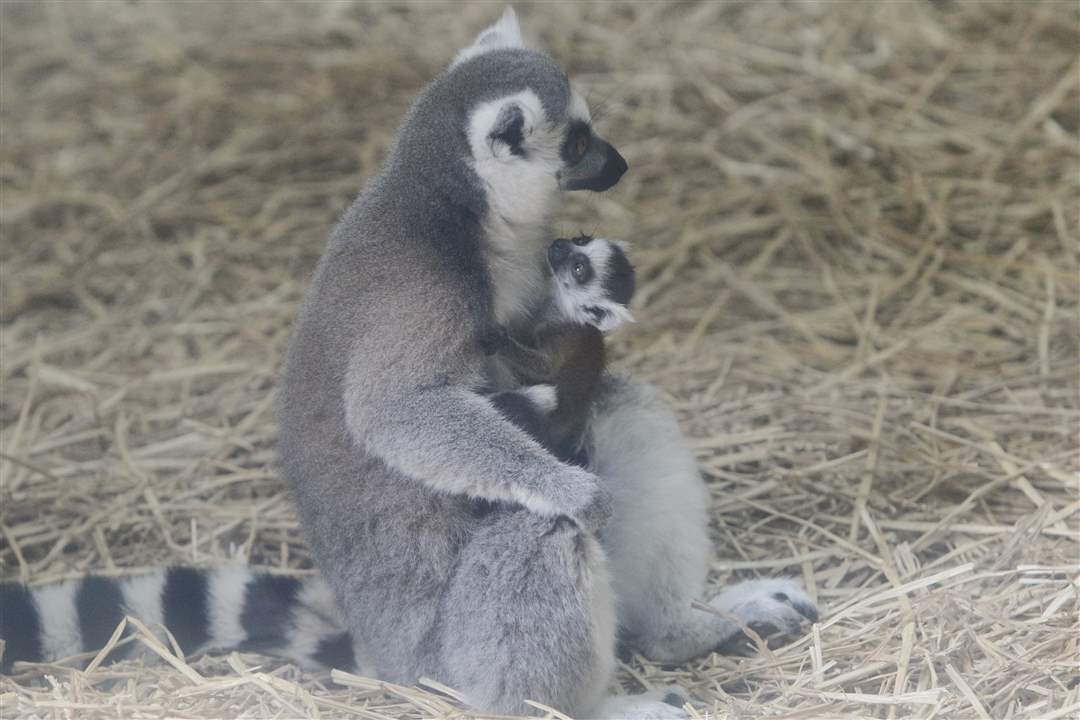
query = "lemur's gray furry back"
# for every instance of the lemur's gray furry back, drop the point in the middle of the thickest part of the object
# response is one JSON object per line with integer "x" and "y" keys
{"x": 386, "y": 437}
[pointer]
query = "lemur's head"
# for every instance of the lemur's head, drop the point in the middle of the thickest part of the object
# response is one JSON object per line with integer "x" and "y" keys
{"x": 593, "y": 281}
{"x": 528, "y": 133}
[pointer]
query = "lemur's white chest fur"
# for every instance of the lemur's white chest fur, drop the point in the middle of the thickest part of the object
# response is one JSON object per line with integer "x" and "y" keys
{"x": 520, "y": 186}
{"x": 515, "y": 264}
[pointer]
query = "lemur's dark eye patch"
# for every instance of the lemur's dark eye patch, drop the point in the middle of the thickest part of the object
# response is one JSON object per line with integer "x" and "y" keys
{"x": 578, "y": 140}
{"x": 581, "y": 269}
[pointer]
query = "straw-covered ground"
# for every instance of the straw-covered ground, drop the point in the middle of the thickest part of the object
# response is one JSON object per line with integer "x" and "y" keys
{"x": 856, "y": 227}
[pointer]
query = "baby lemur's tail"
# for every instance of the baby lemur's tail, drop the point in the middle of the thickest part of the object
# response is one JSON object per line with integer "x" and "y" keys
{"x": 226, "y": 608}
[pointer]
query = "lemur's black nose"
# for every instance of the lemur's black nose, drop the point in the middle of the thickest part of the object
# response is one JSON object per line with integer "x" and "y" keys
{"x": 558, "y": 252}
{"x": 618, "y": 164}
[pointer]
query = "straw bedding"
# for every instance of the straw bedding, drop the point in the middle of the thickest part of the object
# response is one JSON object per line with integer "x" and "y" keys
{"x": 856, "y": 228}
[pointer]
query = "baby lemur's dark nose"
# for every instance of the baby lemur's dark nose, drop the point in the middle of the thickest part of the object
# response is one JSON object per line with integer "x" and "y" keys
{"x": 558, "y": 252}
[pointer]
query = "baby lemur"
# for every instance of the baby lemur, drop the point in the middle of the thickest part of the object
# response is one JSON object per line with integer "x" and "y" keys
{"x": 560, "y": 363}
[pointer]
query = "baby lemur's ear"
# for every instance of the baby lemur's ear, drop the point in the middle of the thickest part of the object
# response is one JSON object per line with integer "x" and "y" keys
{"x": 504, "y": 33}
{"x": 614, "y": 316}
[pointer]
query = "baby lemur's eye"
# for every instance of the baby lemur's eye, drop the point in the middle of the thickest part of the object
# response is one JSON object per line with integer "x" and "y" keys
{"x": 582, "y": 271}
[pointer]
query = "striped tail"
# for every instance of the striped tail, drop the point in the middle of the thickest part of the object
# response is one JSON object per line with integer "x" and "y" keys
{"x": 225, "y": 608}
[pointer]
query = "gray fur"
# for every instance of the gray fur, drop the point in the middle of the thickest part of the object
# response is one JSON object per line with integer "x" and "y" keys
{"x": 387, "y": 438}
{"x": 657, "y": 540}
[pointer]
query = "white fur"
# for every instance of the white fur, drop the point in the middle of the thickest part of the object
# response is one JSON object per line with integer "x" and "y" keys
{"x": 646, "y": 706}
{"x": 544, "y": 397}
{"x": 227, "y": 585}
{"x": 617, "y": 315}
{"x": 142, "y": 600}
{"x": 142, "y": 597}
{"x": 757, "y": 602}
{"x": 519, "y": 192}
{"x": 579, "y": 109}
{"x": 60, "y": 636}
{"x": 504, "y": 33}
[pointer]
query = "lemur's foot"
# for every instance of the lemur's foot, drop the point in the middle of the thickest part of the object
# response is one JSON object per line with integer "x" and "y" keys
{"x": 663, "y": 704}
{"x": 776, "y": 608}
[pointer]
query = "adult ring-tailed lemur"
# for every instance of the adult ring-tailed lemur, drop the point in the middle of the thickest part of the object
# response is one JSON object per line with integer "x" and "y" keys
{"x": 389, "y": 435}
{"x": 232, "y": 607}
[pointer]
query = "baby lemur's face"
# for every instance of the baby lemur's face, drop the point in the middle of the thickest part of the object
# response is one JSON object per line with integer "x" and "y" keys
{"x": 592, "y": 281}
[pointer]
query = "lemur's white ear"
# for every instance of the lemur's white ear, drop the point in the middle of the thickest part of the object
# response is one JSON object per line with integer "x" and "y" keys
{"x": 505, "y": 33}
{"x": 499, "y": 128}
{"x": 509, "y": 128}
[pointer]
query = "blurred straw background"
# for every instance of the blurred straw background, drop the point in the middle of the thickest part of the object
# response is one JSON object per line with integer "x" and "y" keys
{"x": 856, "y": 227}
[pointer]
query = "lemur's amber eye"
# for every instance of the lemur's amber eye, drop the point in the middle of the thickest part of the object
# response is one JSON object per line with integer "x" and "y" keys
{"x": 582, "y": 145}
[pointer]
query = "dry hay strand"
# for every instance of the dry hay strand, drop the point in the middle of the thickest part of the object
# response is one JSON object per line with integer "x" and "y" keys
{"x": 856, "y": 227}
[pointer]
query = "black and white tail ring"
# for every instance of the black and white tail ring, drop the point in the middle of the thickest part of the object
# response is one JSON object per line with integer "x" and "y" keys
{"x": 225, "y": 608}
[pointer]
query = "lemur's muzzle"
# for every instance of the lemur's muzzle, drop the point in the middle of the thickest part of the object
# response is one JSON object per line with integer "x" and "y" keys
{"x": 558, "y": 253}
{"x": 599, "y": 170}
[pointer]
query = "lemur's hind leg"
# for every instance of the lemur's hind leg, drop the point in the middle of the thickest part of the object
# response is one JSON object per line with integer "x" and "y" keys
{"x": 657, "y": 539}
{"x": 529, "y": 616}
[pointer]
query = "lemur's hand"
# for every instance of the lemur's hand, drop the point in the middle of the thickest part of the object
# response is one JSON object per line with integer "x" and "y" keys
{"x": 580, "y": 495}
{"x": 595, "y": 517}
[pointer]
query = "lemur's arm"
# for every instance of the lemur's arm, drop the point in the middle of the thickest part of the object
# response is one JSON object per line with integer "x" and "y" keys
{"x": 528, "y": 407}
{"x": 560, "y": 374}
{"x": 444, "y": 434}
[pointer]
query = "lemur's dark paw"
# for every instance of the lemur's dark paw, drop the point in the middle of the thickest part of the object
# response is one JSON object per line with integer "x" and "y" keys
{"x": 674, "y": 699}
